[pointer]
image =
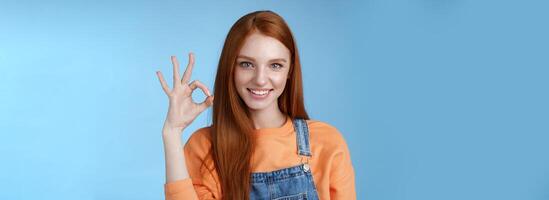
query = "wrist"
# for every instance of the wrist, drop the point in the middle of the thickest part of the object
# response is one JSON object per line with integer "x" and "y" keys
{"x": 172, "y": 141}
{"x": 169, "y": 135}
{"x": 169, "y": 129}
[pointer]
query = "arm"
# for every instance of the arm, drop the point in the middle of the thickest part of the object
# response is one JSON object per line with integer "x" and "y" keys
{"x": 203, "y": 181}
{"x": 342, "y": 175}
{"x": 181, "y": 112}
{"x": 178, "y": 183}
{"x": 173, "y": 152}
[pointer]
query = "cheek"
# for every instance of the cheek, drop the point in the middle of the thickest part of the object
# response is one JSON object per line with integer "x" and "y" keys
{"x": 240, "y": 78}
{"x": 280, "y": 81}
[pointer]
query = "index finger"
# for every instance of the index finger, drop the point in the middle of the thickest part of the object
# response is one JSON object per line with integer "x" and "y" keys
{"x": 202, "y": 87}
{"x": 189, "y": 70}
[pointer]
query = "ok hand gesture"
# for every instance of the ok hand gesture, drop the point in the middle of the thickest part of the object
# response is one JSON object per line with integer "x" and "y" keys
{"x": 182, "y": 109}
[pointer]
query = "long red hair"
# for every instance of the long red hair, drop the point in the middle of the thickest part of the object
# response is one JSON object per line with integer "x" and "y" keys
{"x": 232, "y": 127}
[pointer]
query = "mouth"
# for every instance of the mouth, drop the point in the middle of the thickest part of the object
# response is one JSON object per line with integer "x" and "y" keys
{"x": 257, "y": 93}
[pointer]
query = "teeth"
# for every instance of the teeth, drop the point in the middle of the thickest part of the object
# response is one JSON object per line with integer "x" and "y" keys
{"x": 260, "y": 92}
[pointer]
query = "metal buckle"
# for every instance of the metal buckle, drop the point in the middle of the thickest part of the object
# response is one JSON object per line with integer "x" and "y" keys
{"x": 306, "y": 166}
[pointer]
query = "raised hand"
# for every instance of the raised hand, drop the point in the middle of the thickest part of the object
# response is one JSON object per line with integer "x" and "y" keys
{"x": 182, "y": 109}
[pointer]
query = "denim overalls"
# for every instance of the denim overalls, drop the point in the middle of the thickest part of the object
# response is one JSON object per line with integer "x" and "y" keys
{"x": 291, "y": 183}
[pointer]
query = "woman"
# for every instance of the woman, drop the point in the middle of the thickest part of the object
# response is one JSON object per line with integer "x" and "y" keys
{"x": 261, "y": 144}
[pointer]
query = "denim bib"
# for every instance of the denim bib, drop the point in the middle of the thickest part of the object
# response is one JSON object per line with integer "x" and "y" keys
{"x": 291, "y": 183}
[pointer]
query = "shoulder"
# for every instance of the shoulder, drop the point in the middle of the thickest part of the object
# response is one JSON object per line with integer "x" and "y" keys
{"x": 325, "y": 134}
{"x": 199, "y": 142}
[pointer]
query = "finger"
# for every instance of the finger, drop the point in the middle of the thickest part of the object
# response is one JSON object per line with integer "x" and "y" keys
{"x": 175, "y": 64}
{"x": 189, "y": 70}
{"x": 206, "y": 103}
{"x": 202, "y": 87}
{"x": 163, "y": 82}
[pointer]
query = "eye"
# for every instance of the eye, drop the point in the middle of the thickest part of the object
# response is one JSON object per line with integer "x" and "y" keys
{"x": 245, "y": 64}
{"x": 276, "y": 66}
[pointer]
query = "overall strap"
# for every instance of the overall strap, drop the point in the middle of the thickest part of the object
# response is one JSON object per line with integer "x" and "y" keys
{"x": 302, "y": 134}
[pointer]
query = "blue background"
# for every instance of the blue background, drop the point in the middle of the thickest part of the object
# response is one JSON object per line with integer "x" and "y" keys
{"x": 437, "y": 99}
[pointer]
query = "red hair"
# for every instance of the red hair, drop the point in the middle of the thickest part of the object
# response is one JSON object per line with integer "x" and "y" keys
{"x": 232, "y": 128}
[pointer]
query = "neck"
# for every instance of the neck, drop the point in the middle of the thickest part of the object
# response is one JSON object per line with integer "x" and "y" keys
{"x": 268, "y": 118}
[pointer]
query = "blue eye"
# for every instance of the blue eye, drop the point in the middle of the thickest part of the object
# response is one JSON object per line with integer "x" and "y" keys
{"x": 276, "y": 66}
{"x": 245, "y": 64}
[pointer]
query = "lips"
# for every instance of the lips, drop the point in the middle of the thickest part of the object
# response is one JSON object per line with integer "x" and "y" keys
{"x": 258, "y": 93}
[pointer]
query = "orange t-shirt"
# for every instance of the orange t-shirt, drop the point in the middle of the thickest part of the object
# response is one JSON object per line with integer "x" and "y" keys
{"x": 276, "y": 148}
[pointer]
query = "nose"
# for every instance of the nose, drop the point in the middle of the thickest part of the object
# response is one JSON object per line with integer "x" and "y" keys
{"x": 260, "y": 76}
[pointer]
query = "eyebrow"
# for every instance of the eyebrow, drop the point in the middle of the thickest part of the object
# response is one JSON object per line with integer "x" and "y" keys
{"x": 272, "y": 60}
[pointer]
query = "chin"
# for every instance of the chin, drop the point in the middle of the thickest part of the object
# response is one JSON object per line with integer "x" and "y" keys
{"x": 257, "y": 106}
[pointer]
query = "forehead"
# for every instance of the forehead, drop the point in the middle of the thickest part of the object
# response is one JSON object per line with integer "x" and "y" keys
{"x": 263, "y": 48}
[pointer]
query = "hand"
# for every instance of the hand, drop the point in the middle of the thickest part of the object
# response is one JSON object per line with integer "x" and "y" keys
{"x": 182, "y": 109}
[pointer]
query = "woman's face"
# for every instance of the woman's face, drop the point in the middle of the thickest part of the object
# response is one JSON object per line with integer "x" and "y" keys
{"x": 261, "y": 71}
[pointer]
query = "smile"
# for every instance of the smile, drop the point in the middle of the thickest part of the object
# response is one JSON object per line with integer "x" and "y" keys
{"x": 259, "y": 93}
